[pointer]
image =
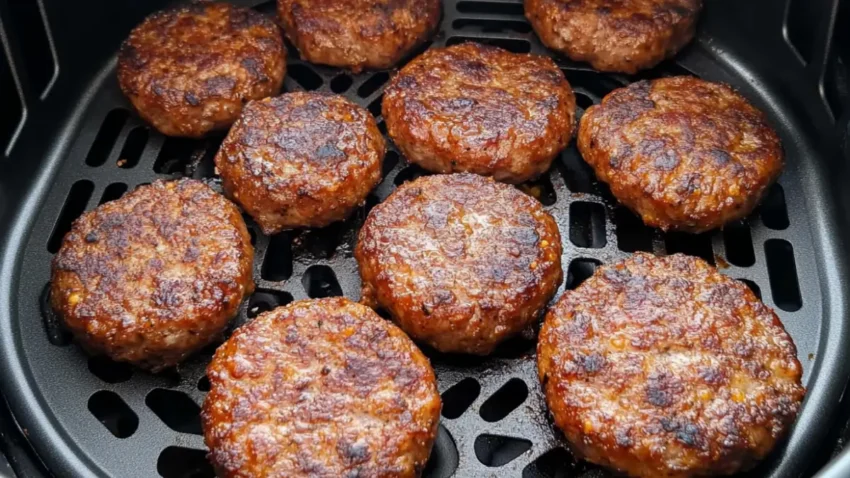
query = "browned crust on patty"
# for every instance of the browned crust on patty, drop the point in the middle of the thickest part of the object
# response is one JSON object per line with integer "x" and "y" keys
{"x": 480, "y": 109}
{"x": 188, "y": 70}
{"x": 662, "y": 366}
{"x": 460, "y": 262}
{"x": 320, "y": 388}
{"x": 358, "y": 34}
{"x": 301, "y": 160}
{"x": 615, "y": 35}
{"x": 681, "y": 152}
{"x": 153, "y": 276}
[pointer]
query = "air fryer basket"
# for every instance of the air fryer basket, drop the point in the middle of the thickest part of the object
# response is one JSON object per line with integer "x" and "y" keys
{"x": 70, "y": 141}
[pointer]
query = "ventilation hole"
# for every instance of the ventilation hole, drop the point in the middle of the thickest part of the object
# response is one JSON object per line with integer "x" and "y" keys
{"x": 540, "y": 189}
{"x": 492, "y": 26}
{"x": 266, "y": 300}
{"x": 496, "y": 450}
{"x": 74, "y": 206}
{"x": 375, "y": 106}
{"x": 305, "y": 76}
{"x": 518, "y": 345}
{"x": 490, "y": 8}
{"x": 577, "y": 174}
{"x": 444, "y": 457}
{"x": 253, "y": 234}
{"x": 459, "y": 397}
{"x": 698, "y": 245}
{"x": 511, "y": 44}
{"x": 784, "y": 285}
{"x": 175, "y": 154}
{"x": 109, "y": 370}
{"x": 390, "y": 162}
{"x": 320, "y": 281}
{"x": 204, "y": 384}
{"x": 505, "y": 400}
{"x": 382, "y": 127}
{"x": 176, "y": 410}
{"x": 133, "y": 147}
{"x": 803, "y": 15}
{"x": 113, "y": 413}
{"x": 579, "y": 271}
{"x": 106, "y": 136}
{"x": 555, "y": 463}
{"x": 277, "y": 264}
{"x": 409, "y": 173}
{"x": 753, "y": 287}
{"x": 587, "y": 225}
{"x": 26, "y": 19}
{"x": 596, "y": 84}
{"x": 12, "y": 112}
{"x": 739, "y": 244}
{"x": 632, "y": 234}
{"x": 319, "y": 243}
{"x": 583, "y": 101}
{"x": 774, "y": 213}
{"x": 341, "y": 83}
{"x": 179, "y": 462}
{"x": 112, "y": 192}
{"x": 56, "y": 333}
{"x": 372, "y": 85}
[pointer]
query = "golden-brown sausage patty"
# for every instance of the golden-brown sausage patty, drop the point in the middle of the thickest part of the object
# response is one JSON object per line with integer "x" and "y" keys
{"x": 460, "y": 261}
{"x": 663, "y": 367}
{"x": 358, "y": 34}
{"x": 155, "y": 275}
{"x": 480, "y": 109}
{"x": 320, "y": 388}
{"x": 615, "y": 35}
{"x": 189, "y": 70}
{"x": 681, "y": 152}
{"x": 301, "y": 160}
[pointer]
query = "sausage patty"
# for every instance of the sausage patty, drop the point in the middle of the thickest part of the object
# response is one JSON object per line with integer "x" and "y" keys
{"x": 153, "y": 276}
{"x": 480, "y": 109}
{"x": 320, "y": 388}
{"x": 681, "y": 152}
{"x": 301, "y": 160}
{"x": 459, "y": 261}
{"x": 662, "y": 366}
{"x": 615, "y": 35}
{"x": 358, "y": 34}
{"x": 189, "y": 70}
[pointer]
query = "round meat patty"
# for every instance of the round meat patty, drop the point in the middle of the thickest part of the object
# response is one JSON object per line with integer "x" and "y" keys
{"x": 615, "y": 35}
{"x": 189, "y": 70}
{"x": 153, "y": 276}
{"x": 320, "y": 388}
{"x": 358, "y": 34}
{"x": 460, "y": 261}
{"x": 681, "y": 152}
{"x": 301, "y": 160}
{"x": 663, "y": 367}
{"x": 480, "y": 109}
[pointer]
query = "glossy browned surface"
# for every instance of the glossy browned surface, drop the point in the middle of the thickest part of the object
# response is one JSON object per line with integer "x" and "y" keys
{"x": 320, "y": 388}
{"x": 358, "y": 34}
{"x": 662, "y": 366}
{"x": 480, "y": 109}
{"x": 153, "y": 276}
{"x": 615, "y": 35}
{"x": 681, "y": 152}
{"x": 460, "y": 261}
{"x": 301, "y": 160}
{"x": 189, "y": 70}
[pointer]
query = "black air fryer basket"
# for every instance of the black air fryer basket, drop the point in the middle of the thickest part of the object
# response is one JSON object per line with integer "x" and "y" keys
{"x": 70, "y": 141}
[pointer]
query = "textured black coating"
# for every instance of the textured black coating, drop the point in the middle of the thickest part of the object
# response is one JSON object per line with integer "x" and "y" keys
{"x": 48, "y": 382}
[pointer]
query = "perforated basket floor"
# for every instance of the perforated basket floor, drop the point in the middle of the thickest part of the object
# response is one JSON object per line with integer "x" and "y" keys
{"x": 126, "y": 423}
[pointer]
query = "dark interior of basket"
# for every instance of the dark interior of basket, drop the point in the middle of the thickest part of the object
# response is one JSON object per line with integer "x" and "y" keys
{"x": 494, "y": 421}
